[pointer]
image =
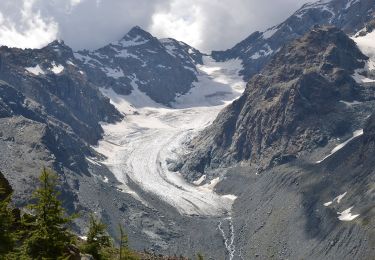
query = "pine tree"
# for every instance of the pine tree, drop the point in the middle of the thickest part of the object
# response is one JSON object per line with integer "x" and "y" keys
{"x": 7, "y": 236}
{"x": 125, "y": 252}
{"x": 200, "y": 256}
{"x": 97, "y": 239}
{"x": 47, "y": 236}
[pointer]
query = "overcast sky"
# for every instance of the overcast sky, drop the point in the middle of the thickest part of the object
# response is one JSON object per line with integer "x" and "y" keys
{"x": 204, "y": 24}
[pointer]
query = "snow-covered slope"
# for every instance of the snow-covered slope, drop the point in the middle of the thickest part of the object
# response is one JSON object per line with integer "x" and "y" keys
{"x": 365, "y": 40}
{"x": 141, "y": 147}
{"x": 161, "y": 68}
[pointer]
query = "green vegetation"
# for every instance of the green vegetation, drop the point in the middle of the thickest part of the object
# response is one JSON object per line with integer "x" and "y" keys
{"x": 7, "y": 237}
{"x": 46, "y": 233}
{"x": 98, "y": 241}
{"x": 43, "y": 232}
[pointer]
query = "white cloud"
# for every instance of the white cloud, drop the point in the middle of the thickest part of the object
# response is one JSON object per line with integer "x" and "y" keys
{"x": 26, "y": 28}
{"x": 219, "y": 24}
{"x": 205, "y": 24}
{"x": 183, "y": 21}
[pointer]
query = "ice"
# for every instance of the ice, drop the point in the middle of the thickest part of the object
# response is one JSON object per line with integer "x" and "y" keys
{"x": 346, "y": 215}
{"x": 218, "y": 84}
{"x": 139, "y": 147}
{"x": 37, "y": 70}
{"x": 340, "y": 146}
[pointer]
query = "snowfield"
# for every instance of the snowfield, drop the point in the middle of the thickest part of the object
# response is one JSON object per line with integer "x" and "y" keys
{"x": 140, "y": 147}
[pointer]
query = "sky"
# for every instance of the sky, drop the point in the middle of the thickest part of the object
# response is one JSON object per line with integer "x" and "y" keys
{"x": 91, "y": 24}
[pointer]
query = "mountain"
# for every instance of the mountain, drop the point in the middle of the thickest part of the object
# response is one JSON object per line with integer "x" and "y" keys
{"x": 163, "y": 69}
{"x": 296, "y": 150}
{"x": 52, "y": 114}
{"x": 259, "y": 48}
{"x": 299, "y": 102}
{"x": 304, "y": 210}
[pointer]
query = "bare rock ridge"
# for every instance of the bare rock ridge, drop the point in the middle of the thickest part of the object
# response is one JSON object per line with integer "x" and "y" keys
{"x": 257, "y": 49}
{"x": 291, "y": 107}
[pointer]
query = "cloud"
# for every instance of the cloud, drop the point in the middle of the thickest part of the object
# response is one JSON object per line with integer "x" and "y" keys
{"x": 26, "y": 28}
{"x": 219, "y": 24}
{"x": 205, "y": 24}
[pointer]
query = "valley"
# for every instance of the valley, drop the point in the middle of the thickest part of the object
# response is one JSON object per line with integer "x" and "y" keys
{"x": 151, "y": 136}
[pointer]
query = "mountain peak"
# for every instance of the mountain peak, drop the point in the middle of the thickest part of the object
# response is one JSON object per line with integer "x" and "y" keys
{"x": 137, "y": 31}
{"x": 136, "y": 36}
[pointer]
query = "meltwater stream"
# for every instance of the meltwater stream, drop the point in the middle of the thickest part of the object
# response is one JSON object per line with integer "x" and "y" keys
{"x": 139, "y": 147}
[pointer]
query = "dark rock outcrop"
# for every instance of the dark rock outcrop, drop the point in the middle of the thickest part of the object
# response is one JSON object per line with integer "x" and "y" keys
{"x": 291, "y": 107}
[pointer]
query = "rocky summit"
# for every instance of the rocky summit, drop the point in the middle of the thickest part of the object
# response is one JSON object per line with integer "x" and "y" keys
{"x": 163, "y": 69}
{"x": 258, "y": 49}
{"x": 295, "y": 104}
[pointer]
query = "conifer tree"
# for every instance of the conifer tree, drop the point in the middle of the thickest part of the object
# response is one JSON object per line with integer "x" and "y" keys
{"x": 46, "y": 234}
{"x": 7, "y": 236}
{"x": 97, "y": 239}
{"x": 124, "y": 251}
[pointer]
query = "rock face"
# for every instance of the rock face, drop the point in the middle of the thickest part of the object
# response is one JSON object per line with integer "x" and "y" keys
{"x": 45, "y": 87}
{"x": 259, "y": 48}
{"x": 291, "y": 107}
{"x": 51, "y": 78}
{"x": 5, "y": 188}
{"x": 49, "y": 116}
{"x": 295, "y": 210}
{"x": 160, "y": 68}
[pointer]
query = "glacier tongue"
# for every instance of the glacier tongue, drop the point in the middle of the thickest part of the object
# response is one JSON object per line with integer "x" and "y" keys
{"x": 139, "y": 147}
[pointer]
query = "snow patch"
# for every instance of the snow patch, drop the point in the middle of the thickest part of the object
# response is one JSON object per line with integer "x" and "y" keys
{"x": 138, "y": 40}
{"x": 57, "y": 69}
{"x": 114, "y": 73}
{"x": 270, "y": 32}
{"x": 262, "y": 53}
{"x": 200, "y": 180}
{"x": 338, "y": 199}
{"x": 346, "y": 215}
{"x": 340, "y": 146}
{"x": 37, "y": 70}
{"x": 350, "y": 104}
{"x": 92, "y": 161}
{"x": 366, "y": 45}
